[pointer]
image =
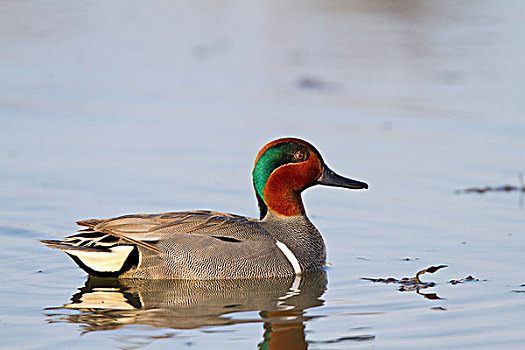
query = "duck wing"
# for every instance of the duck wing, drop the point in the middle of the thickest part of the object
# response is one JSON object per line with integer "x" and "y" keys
{"x": 156, "y": 227}
{"x": 146, "y": 230}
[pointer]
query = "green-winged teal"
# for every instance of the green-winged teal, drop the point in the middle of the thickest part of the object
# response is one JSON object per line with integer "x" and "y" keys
{"x": 211, "y": 245}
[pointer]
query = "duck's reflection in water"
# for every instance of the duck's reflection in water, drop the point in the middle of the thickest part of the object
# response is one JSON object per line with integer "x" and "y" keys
{"x": 105, "y": 303}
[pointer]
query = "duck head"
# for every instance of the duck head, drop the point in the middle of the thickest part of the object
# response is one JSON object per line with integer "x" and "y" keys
{"x": 286, "y": 167}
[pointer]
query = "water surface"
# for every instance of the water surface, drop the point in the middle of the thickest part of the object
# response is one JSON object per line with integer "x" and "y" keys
{"x": 115, "y": 108}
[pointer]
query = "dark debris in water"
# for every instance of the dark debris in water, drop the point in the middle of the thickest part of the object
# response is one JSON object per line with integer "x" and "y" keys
{"x": 365, "y": 337}
{"x": 502, "y": 188}
{"x": 430, "y": 296}
{"x": 313, "y": 83}
{"x": 409, "y": 259}
{"x": 466, "y": 279}
{"x": 363, "y": 258}
{"x": 409, "y": 284}
{"x": 438, "y": 308}
{"x": 407, "y": 280}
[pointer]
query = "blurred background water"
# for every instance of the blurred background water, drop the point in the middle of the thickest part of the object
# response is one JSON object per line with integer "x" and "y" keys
{"x": 109, "y": 108}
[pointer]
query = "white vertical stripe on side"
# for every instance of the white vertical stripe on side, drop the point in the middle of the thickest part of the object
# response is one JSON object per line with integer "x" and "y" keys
{"x": 290, "y": 256}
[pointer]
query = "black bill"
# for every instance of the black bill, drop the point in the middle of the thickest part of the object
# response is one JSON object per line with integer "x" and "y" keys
{"x": 330, "y": 178}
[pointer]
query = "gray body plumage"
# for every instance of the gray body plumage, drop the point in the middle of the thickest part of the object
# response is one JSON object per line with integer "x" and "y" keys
{"x": 200, "y": 245}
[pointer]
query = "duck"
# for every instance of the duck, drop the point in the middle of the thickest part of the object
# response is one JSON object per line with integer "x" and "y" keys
{"x": 209, "y": 245}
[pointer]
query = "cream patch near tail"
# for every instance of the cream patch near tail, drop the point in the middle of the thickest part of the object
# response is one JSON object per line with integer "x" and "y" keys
{"x": 103, "y": 261}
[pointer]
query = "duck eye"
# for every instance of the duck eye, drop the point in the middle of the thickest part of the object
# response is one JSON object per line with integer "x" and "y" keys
{"x": 299, "y": 156}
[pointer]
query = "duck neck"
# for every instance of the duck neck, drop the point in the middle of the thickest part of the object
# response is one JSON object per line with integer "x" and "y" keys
{"x": 280, "y": 199}
{"x": 299, "y": 235}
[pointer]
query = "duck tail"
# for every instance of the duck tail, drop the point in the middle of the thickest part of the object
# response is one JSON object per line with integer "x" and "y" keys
{"x": 106, "y": 261}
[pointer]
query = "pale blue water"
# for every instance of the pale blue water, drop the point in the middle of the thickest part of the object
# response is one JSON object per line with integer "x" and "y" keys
{"x": 115, "y": 108}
